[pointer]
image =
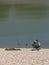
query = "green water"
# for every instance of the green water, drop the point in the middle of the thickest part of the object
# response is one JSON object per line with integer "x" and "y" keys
{"x": 22, "y": 24}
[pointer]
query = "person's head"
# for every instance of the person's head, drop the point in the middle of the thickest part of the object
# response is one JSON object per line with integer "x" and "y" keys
{"x": 37, "y": 40}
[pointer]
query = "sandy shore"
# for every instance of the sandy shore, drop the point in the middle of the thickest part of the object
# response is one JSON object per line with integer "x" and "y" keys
{"x": 24, "y": 57}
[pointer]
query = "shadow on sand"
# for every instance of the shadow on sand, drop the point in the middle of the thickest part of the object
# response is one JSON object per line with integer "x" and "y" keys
{"x": 34, "y": 49}
{"x": 11, "y": 49}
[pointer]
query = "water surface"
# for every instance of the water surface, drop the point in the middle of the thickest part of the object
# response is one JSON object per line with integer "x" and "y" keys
{"x": 22, "y": 24}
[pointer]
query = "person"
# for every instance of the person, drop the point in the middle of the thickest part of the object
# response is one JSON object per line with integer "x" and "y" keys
{"x": 36, "y": 44}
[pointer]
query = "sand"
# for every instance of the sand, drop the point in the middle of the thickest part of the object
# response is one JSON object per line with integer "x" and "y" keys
{"x": 24, "y": 57}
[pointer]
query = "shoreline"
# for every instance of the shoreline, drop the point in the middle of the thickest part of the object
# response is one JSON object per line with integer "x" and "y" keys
{"x": 24, "y": 57}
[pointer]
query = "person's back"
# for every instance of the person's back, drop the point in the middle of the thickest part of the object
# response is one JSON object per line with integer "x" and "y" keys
{"x": 36, "y": 44}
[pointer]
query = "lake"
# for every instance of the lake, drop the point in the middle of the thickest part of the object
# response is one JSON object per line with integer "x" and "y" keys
{"x": 21, "y": 24}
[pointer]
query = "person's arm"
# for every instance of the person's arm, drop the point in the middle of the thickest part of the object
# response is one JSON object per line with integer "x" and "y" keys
{"x": 39, "y": 43}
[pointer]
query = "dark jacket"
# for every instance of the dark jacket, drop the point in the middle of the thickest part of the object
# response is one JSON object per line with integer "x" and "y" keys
{"x": 36, "y": 44}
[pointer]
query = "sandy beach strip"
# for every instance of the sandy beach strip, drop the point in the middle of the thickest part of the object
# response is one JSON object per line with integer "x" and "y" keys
{"x": 24, "y": 57}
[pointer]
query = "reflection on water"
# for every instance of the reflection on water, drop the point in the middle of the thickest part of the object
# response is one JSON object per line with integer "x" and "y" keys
{"x": 24, "y": 24}
{"x": 24, "y": 10}
{"x": 31, "y": 10}
{"x": 4, "y": 11}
